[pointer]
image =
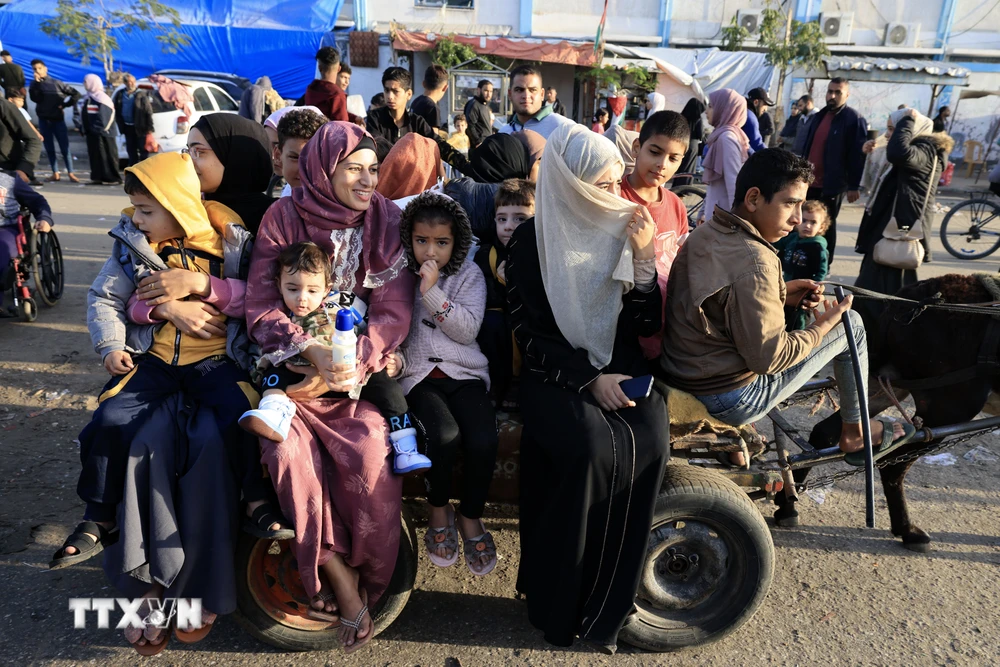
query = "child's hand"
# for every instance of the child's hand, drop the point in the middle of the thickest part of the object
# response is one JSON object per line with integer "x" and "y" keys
{"x": 118, "y": 362}
{"x": 640, "y": 232}
{"x": 392, "y": 365}
{"x": 172, "y": 285}
{"x": 43, "y": 226}
{"x": 429, "y": 274}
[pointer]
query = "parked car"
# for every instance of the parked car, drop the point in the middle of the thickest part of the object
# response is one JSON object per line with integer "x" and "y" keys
{"x": 232, "y": 84}
{"x": 171, "y": 125}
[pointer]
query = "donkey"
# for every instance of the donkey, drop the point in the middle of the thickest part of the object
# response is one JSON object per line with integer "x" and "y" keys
{"x": 907, "y": 345}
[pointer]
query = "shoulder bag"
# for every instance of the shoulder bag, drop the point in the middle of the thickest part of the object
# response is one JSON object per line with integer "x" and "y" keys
{"x": 901, "y": 249}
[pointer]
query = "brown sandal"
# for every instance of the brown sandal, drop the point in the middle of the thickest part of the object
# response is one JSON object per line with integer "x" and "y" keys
{"x": 54, "y": 178}
{"x": 196, "y": 635}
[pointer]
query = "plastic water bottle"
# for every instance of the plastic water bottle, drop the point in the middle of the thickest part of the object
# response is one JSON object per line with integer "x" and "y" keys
{"x": 345, "y": 342}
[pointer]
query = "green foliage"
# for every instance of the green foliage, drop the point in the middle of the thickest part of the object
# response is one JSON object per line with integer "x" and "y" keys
{"x": 733, "y": 36}
{"x": 449, "y": 54}
{"x": 639, "y": 78}
{"x": 602, "y": 77}
{"x": 85, "y": 27}
{"x": 805, "y": 46}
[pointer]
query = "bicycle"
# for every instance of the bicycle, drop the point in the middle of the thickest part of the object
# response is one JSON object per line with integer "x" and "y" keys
{"x": 971, "y": 230}
{"x": 693, "y": 196}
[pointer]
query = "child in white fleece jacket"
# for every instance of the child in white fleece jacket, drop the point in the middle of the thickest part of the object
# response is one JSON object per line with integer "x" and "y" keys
{"x": 446, "y": 377}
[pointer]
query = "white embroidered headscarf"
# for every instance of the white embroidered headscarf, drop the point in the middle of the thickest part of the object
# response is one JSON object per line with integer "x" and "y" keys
{"x": 583, "y": 249}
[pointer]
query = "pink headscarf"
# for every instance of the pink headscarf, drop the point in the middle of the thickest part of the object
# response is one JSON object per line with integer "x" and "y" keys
{"x": 173, "y": 92}
{"x": 95, "y": 90}
{"x": 318, "y": 206}
{"x": 729, "y": 114}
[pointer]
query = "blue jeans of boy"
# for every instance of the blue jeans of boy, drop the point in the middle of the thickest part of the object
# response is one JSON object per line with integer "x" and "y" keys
{"x": 752, "y": 402}
{"x": 53, "y": 131}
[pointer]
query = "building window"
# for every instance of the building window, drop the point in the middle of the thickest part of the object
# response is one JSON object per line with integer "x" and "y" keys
{"x": 451, "y": 4}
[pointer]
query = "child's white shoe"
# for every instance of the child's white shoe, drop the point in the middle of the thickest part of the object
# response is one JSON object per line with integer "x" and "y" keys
{"x": 271, "y": 419}
{"x": 407, "y": 459}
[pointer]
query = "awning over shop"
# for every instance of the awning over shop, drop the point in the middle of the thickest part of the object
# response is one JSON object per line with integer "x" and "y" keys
{"x": 563, "y": 52}
{"x": 892, "y": 70}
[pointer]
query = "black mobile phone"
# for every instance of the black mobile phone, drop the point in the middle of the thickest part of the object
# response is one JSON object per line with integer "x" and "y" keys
{"x": 637, "y": 387}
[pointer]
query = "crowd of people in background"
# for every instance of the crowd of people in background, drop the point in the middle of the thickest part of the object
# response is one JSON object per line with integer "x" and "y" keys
{"x": 457, "y": 303}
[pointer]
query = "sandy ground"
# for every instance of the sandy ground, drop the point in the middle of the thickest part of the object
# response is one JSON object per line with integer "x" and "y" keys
{"x": 841, "y": 594}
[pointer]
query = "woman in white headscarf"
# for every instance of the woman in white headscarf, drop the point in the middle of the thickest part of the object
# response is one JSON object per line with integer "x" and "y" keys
{"x": 655, "y": 102}
{"x": 904, "y": 189}
{"x": 582, "y": 289}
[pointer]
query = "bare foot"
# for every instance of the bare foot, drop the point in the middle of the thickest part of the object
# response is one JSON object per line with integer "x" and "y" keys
{"x": 439, "y": 517}
{"x": 148, "y": 634}
{"x": 345, "y": 581}
{"x": 325, "y": 600}
{"x": 73, "y": 177}
{"x": 853, "y": 442}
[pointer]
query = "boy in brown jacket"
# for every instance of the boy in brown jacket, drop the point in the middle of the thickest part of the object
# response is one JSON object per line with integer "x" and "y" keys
{"x": 725, "y": 339}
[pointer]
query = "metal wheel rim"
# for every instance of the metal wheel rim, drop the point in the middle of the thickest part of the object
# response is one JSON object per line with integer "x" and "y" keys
{"x": 675, "y": 592}
{"x": 973, "y": 220}
{"x": 274, "y": 583}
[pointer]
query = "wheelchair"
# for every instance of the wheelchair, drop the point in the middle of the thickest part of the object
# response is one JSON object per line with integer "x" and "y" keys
{"x": 38, "y": 258}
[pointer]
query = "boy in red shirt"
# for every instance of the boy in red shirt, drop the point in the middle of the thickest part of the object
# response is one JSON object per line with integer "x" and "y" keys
{"x": 659, "y": 151}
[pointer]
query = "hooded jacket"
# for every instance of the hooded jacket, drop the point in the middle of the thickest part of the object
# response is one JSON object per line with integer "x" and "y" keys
{"x": 448, "y": 317}
{"x": 215, "y": 242}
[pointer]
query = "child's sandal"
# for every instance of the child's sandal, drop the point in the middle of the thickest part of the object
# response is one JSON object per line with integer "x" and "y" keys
{"x": 477, "y": 547}
{"x": 446, "y": 537}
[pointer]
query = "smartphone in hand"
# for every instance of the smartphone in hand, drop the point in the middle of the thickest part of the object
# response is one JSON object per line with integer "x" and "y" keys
{"x": 637, "y": 388}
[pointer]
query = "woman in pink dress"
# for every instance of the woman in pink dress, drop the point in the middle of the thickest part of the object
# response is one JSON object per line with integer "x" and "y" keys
{"x": 333, "y": 473}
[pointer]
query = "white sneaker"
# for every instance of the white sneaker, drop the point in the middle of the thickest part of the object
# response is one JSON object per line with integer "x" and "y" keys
{"x": 271, "y": 419}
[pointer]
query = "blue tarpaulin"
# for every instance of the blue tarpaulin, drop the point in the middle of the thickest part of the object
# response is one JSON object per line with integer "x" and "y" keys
{"x": 251, "y": 38}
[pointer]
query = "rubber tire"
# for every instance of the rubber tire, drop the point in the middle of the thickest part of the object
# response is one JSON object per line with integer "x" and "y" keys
{"x": 690, "y": 492}
{"x": 698, "y": 190}
{"x": 259, "y": 624}
{"x": 42, "y": 272}
{"x": 943, "y": 232}
{"x": 28, "y": 310}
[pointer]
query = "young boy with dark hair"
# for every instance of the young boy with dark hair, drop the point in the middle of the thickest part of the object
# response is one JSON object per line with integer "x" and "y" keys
{"x": 324, "y": 93}
{"x": 426, "y": 105}
{"x": 295, "y": 129}
{"x": 515, "y": 203}
{"x": 659, "y": 151}
{"x": 392, "y": 121}
{"x": 803, "y": 254}
{"x": 169, "y": 246}
{"x": 726, "y": 342}
{"x": 344, "y": 77}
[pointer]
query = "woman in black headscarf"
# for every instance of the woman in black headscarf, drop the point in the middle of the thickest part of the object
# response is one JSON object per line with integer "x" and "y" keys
{"x": 692, "y": 112}
{"x": 233, "y": 162}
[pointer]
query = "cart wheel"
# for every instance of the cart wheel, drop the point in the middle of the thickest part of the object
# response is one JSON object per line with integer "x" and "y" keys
{"x": 709, "y": 563}
{"x": 28, "y": 310}
{"x": 47, "y": 265}
{"x": 272, "y": 604}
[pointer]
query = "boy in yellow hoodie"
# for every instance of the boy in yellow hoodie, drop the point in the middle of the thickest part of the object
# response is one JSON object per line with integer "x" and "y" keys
{"x": 174, "y": 257}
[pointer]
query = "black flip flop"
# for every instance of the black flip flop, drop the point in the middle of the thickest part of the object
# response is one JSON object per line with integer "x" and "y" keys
{"x": 885, "y": 445}
{"x": 258, "y": 524}
{"x": 86, "y": 546}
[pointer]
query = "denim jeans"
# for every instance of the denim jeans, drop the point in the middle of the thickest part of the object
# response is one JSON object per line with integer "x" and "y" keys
{"x": 752, "y": 402}
{"x": 53, "y": 131}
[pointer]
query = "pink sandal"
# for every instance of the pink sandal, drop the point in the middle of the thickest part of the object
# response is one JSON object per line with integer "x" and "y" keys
{"x": 477, "y": 547}
{"x": 446, "y": 537}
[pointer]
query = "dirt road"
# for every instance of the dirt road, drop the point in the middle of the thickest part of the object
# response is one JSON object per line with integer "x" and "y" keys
{"x": 842, "y": 594}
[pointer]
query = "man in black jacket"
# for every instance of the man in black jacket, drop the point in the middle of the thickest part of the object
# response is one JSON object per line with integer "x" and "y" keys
{"x": 833, "y": 146}
{"x": 387, "y": 124}
{"x": 20, "y": 147}
{"x": 51, "y": 96}
{"x": 11, "y": 74}
{"x": 478, "y": 114}
{"x": 134, "y": 116}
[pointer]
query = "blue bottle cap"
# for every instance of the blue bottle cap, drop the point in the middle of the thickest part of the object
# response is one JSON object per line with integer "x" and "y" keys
{"x": 345, "y": 321}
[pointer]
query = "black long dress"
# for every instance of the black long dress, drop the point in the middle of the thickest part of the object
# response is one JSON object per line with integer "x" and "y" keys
{"x": 589, "y": 478}
{"x": 903, "y": 193}
{"x": 692, "y": 114}
{"x": 96, "y": 120}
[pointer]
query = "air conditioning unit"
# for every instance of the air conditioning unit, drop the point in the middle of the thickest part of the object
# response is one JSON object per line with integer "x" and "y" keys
{"x": 750, "y": 20}
{"x": 902, "y": 34}
{"x": 837, "y": 27}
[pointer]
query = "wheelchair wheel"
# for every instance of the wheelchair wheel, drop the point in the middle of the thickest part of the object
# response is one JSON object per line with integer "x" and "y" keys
{"x": 47, "y": 265}
{"x": 28, "y": 310}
